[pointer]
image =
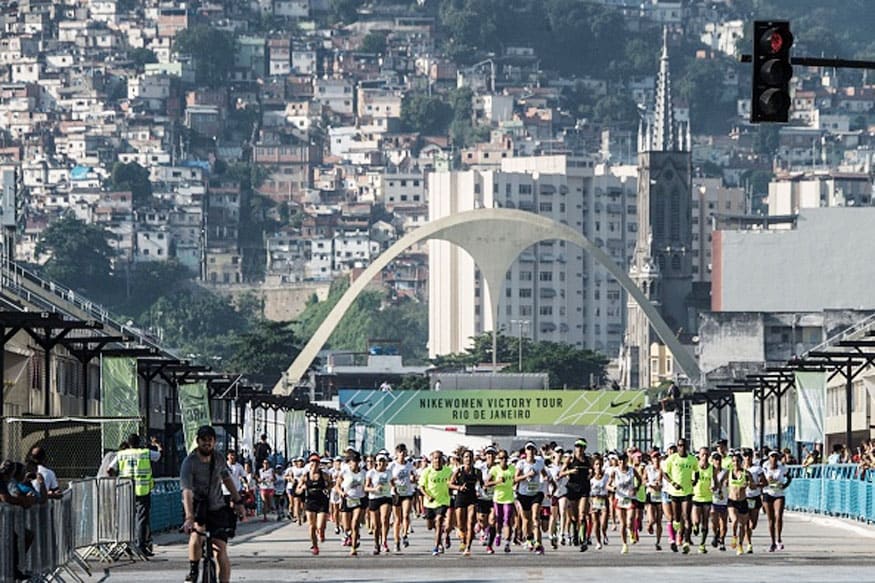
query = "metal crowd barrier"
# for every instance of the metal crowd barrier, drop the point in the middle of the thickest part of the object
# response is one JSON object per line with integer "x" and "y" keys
{"x": 166, "y": 511}
{"x": 841, "y": 490}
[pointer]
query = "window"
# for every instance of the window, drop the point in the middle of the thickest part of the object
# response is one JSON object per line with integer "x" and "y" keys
{"x": 676, "y": 262}
{"x": 545, "y": 310}
{"x": 545, "y": 276}
{"x": 525, "y": 276}
{"x": 525, "y": 310}
{"x": 545, "y": 207}
{"x": 525, "y": 292}
{"x": 675, "y": 215}
{"x": 525, "y": 189}
{"x": 508, "y": 292}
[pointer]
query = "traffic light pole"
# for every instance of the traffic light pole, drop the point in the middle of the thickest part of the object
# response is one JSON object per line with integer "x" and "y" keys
{"x": 820, "y": 62}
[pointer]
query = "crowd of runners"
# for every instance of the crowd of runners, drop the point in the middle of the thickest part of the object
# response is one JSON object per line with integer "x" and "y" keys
{"x": 534, "y": 498}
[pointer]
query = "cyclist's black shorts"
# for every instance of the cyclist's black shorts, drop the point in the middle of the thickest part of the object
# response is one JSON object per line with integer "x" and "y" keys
{"x": 221, "y": 523}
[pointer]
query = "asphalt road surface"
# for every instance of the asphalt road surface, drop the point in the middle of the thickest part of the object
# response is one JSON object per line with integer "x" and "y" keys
{"x": 817, "y": 549}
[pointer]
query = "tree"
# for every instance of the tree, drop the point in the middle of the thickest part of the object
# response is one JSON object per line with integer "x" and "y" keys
{"x": 264, "y": 351}
{"x": 614, "y": 109}
{"x": 141, "y": 57}
{"x": 131, "y": 176}
{"x": 426, "y": 114}
{"x": 212, "y": 49}
{"x": 149, "y": 281}
{"x": 374, "y": 42}
{"x": 80, "y": 256}
{"x": 344, "y": 11}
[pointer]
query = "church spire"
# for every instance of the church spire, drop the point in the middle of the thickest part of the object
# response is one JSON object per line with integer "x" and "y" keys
{"x": 664, "y": 139}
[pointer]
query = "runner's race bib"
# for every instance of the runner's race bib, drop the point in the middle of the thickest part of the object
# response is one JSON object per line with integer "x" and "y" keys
{"x": 598, "y": 503}
{"x": 353, "y": 502}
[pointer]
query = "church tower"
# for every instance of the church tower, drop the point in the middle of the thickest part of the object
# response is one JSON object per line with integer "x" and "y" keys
{"x": 662, "y": 264}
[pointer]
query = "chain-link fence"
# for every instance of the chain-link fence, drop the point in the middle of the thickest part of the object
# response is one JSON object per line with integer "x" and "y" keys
{"x": 74, "y": 446}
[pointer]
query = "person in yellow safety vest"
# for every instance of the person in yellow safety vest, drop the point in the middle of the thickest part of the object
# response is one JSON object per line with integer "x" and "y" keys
{"x": 135, "y": 462}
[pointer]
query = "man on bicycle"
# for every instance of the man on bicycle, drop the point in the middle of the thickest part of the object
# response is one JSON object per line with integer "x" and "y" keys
{"x": 201, "y": 477}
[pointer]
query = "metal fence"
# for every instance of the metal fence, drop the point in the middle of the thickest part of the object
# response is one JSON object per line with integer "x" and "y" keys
{"x": 166, "y": 512}
{"x": 834, "y": 490}
{"x": 93, "y": 519}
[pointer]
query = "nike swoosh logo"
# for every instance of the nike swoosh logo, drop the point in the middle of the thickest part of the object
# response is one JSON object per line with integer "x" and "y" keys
{"x": 620, "y": 404}
{"x": 357, "y": 403}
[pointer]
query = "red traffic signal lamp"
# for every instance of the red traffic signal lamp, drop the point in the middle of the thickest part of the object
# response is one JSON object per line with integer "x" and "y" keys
{"x": 772, "y": 71}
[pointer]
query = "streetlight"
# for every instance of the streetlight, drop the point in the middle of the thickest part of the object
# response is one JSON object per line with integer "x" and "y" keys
{"x": 521, "y": 323}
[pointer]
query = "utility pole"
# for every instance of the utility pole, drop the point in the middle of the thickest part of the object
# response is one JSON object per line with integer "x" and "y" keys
{"x": 520, "y": 323}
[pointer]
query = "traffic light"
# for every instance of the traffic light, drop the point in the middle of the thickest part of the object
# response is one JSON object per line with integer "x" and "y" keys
{"x": 770, "y": 100}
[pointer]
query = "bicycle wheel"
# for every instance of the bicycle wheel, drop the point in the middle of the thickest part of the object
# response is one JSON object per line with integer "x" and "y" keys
{"x": 210, "y": 575}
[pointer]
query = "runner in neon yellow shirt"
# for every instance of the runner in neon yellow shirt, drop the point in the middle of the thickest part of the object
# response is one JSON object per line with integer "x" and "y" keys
{"x": 679, "y": 468}
{"x": 501, "y": 477}
{"x": 702, "y": 497}
{"x": 434, "y": 484}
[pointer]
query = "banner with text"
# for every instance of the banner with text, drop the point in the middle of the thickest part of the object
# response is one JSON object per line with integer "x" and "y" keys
{"x": 194, "y": 406}
{"x": 699, "y": 425}
{"x": 343, "y": 440}
{"x": 119, "y": 397}
{"x": 744, "y": 412}
{"x": 322, "y": 443}
{"x": 810, "y": 404}
{"x": 490, "y": 407}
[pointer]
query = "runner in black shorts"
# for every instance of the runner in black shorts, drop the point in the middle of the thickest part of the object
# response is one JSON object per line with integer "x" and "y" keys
{"x": 578, "y": 470}
{"x": 314, "y": 485}
{"x": 465, "y": 481}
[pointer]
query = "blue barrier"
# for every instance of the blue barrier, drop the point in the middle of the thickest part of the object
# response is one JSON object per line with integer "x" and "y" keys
{"x": 166, "y": 511}
{"x": 834, "y": 490}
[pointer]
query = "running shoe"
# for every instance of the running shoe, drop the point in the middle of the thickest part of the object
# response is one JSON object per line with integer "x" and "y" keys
{"x": 733, "y": 543}
{"x": 605, "y": 538}
{"x": 322, "y": 537}
{"x": 554, "y": 542}
{"x": 347, "y": 541}
{"x": 749, "y": 549}
{"x": 405, "y": 542}
{"x": 314, "y": 550}
{"x": 447, "y": 542}
{"x": 625, "y": 549}
{"x": 780, "y": 546}
{"x": 397, "y": 547}
{"x": 386, "y": 548}
{"x": 467, "y": 552}
{"x": 598, "y": 546}
{"x": 539, "y": 550}
{"x": 702, "y": 549}
{"x": 674, "y": 547}
{"x": 435, "y": 552}
{"x": 658, "y": 546}
{"x": 686, "y": 548}
{"x": 507, "y": 547}
{"x": 773, "y": 548}
{"x": 377, "y": 550}
{"x": 722, "y": 546}
{"x": 353, "y": 552}
{"x": 192, "y": 577}
{"x": 563, "y": 540}
{"x": 583, "y": 548}
{"x": 498, "y": 541}
{"x": 442, "y": 549}
{"x": 714, "y": 542}
{"x": 739, "y": 551}
{"x": 695, "y": 530}
{"x": 634, "y": 537}
{"x": 490, "y": 550}
{"x": 336, "y": 530}
{"x": 575, "y": 540}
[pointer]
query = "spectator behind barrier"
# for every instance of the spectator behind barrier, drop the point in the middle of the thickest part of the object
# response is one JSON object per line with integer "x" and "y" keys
{"x": 36, "y": 460}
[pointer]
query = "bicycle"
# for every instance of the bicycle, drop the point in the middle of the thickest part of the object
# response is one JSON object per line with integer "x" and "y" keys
{"x": 208, "y": 569}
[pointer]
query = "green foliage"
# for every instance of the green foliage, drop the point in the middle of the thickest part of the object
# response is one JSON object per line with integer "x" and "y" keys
{"x": 344, "y": 11}
{"x": 198, "y": 321}
{"x": 147, "y": 282}
{"x": 213, "y": 50}
{"x": 614, "y": 109}
{"x": 407, "y": 322}
{"x": 712, "y": 106}
{"x": 428, "y": 115}
{"x": 264, "y": 351}
{"x": 767, "y": 140}
{"x": 133, "y": 177}
{"x": 412, "y": 382}
{"x": 141, "y": 57}
{"x": 81, "y": 257}
{"x": 374, "y": 42}
{"x": 566, "y": 365}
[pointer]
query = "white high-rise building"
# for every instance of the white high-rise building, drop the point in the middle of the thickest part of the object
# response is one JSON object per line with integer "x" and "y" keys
{"x": 554, "y": 291}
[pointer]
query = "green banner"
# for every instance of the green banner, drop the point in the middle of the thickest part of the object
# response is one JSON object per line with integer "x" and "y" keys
{"x": 194, "y": 406}
{"x": 343, "y": 439}
{"x": 296, "y": 433}
{"x": 119, "y": 397}
{"x": 485, "y": 407}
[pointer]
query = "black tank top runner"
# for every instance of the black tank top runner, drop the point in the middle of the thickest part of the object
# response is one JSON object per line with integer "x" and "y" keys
{"x": 315, "y": 487}
{"x": 580, "y": 480}
{"x": 471, "y": 479}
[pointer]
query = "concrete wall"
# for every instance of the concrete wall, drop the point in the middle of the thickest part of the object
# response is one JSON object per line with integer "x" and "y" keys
{"x": 824, "y": 263}
{"x": 281, "y": 302}
{"x": 725, "y": 338}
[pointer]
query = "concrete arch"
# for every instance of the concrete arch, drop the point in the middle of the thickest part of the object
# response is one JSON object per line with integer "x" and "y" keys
{"x": 494, "y": 238}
